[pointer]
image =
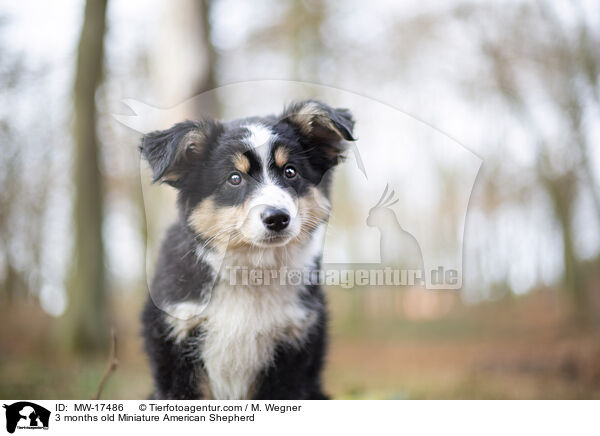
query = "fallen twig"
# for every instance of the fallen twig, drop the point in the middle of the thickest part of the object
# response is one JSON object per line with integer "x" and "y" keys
{"x": 112, "y": 364}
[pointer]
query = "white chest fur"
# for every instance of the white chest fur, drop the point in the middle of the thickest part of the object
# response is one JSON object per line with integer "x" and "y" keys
{"x": 242, "y": 326}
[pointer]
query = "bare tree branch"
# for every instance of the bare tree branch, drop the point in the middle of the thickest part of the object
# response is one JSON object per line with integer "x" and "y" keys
{"x": 113, "y": 363}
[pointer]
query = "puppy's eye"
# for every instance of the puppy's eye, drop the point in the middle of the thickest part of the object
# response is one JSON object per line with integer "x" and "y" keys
{"x": 235, "y": 179}
{"x": 289, "y": 171}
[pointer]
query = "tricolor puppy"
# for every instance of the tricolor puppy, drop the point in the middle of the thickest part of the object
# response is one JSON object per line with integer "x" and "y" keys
{"x": 253, "y": 196}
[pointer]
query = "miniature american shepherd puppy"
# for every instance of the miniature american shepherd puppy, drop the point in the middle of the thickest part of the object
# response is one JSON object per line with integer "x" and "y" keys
{"x": 253, "y": 199}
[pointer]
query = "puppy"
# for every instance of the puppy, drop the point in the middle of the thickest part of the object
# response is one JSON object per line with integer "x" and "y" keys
{"x": 253, "y": 200}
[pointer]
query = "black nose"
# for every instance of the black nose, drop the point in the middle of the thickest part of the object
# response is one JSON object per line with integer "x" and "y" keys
{"x": 275, "y": 219}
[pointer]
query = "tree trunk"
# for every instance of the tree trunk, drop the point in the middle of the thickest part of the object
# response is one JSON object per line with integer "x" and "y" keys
{"x": 87, "y": 313}
{"x": 209, "y": 105}
{"x": 561, "y": 192}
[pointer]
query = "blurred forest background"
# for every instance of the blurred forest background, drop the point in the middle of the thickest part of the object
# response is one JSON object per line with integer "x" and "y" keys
{"x": 517, "y": 82}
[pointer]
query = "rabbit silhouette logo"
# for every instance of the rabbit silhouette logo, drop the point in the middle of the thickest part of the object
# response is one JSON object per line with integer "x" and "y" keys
{"x": 26, "y": 415}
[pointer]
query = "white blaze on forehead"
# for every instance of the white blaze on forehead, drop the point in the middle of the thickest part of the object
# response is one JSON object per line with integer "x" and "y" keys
{"x": 259, "y": 135}
{"x": 260, "y": 140}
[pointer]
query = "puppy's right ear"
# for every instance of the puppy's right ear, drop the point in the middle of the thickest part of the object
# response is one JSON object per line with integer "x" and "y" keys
{"x": 171, "y": 152}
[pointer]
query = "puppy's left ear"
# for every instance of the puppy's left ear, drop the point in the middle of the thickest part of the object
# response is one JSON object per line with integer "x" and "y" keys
{"x": 171, "y": 152}
{"x": 322, "y": 127}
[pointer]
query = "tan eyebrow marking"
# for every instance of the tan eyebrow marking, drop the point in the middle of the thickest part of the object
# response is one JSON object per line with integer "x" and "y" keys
{"x": 241, "y": 162}
{"x": 281, "y": 156}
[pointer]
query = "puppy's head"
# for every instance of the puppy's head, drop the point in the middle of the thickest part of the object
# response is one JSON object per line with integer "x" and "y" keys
{"x": 254, "y": 182}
